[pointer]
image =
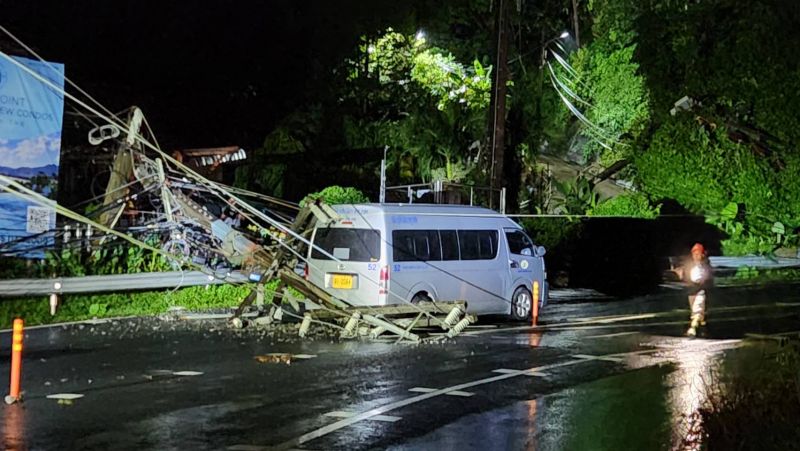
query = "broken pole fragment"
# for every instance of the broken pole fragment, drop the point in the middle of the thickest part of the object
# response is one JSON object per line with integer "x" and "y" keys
{"x": 391, "y": 327}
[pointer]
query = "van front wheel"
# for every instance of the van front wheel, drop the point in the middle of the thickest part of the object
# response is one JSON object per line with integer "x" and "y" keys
{"x": 521, "y": 304}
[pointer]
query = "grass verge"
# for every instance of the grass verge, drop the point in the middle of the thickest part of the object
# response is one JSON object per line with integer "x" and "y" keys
{"x": 36, "y": 310}
{"x": 758, "y": 408}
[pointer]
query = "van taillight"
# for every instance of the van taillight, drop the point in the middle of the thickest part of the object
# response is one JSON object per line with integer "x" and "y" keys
{"x": 383, "y": 282}
{"x": 305, "y": 271}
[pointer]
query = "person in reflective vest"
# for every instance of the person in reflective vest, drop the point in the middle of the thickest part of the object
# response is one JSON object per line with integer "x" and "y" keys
{"x": 696, "y": 273}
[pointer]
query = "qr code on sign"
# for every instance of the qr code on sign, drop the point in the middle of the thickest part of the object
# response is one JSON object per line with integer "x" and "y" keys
{"x": 39, "y": 219}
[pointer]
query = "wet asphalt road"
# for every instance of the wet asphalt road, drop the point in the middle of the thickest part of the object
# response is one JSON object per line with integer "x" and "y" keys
{"x": 600, "y": 375}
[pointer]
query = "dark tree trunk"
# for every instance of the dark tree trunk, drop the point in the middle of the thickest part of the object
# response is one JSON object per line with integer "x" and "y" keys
{"x": 498, "y": 104}
{"x": 575, "y": 23}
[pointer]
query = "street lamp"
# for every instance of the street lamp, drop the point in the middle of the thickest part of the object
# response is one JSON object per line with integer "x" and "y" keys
{"x": 563, "y": 35}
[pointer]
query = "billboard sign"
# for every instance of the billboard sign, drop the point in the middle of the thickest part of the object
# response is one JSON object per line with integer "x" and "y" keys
{"x": 31, "y": 115}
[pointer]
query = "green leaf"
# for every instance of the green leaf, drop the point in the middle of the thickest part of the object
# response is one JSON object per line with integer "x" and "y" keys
{"x": 730, "y": 211}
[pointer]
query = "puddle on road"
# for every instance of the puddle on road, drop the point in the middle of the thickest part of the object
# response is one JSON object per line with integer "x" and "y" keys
{"x": 646, "y": 407}
{"x": 627, "y": 411}
{"x": 13, "y": 428}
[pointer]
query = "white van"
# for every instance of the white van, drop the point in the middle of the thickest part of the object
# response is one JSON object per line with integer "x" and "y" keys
{"x": 392, "y": 254}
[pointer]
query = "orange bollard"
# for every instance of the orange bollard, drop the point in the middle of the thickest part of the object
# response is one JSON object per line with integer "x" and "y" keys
{"x": 535, "y": 300}
{"x": 16, "y": 362}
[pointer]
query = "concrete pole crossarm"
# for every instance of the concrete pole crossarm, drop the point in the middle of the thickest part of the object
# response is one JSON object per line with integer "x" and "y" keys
{"x": 389, "y": 326}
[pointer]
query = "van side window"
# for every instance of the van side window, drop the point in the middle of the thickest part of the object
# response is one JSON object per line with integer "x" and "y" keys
{"x": 355, "y": 245}
{"x": 449, "y": 244}
{"x": 478, "y": 244}
{"x": 519, "y": 243}
{"x": 416, "y": 245}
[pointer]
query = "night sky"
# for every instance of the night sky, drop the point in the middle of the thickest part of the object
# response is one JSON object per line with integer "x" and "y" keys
{"x": 208, "y": 73}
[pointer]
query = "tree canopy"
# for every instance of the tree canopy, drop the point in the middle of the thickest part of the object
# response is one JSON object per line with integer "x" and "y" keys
{"x": 422, "y": 90}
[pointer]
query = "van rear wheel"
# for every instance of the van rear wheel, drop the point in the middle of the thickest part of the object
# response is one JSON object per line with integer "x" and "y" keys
{"x": 521, "y": 304}
{"x": 421, "y": 297}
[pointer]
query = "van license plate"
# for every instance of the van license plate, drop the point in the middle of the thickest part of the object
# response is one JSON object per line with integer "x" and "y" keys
{"x": 342, "y": 281}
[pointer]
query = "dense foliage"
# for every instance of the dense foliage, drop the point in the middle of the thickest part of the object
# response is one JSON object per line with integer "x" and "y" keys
{"x": 419, "y": 102}
{"x": 634, "y": 205}
{"x": 337, "y": 195}
{"x": 729, "y": 152}
{"x": 424, "y": 98}
{"x": 735, "y": 188}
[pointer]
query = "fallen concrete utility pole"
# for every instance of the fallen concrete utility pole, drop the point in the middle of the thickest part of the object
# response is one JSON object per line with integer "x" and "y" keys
{"x": 183, "y": 213}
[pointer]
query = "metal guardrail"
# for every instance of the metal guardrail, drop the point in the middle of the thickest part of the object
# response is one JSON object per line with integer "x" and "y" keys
{"x": 122, "y": 282}
{"x": 754, "y": 262}
{"x": 750, "y": 261}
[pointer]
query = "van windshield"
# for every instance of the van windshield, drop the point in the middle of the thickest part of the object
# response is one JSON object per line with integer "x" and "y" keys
{"x": 355, "y": 245}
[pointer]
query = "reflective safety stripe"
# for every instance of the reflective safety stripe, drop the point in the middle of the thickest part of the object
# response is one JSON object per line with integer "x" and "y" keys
{"x": 16, "y": 347}
{"x": 535, "y": 303}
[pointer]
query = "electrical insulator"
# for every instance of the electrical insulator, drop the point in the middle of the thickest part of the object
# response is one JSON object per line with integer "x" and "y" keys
{"x": 350, "y": 327}
{"x": 458, "y": 328}
{"x": 451, "y": 318}
{"x": 305, "y": 325}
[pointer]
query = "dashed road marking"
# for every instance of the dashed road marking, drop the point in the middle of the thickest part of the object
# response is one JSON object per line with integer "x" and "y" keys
{"x": 421, "y": 390}
{"x": 431, "y": 390}
{"x": 618, "y": 334}
{"x": 187, "y": 373}
{"x": 527, "y": 373}
{"x": 598, "y": 357}
{"x": 303, "y": 356}
{"x": 615, "y": 319}
{"x": 464, "y": 394}
{"x": 343, "y": 414}
{"x": 66, "y": 396}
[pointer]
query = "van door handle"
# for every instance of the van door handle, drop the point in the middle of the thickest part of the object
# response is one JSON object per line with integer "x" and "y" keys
{"x": 513, "y": 263}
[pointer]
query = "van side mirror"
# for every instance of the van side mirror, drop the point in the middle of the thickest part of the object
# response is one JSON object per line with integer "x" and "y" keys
{"x": 540, "y": 251}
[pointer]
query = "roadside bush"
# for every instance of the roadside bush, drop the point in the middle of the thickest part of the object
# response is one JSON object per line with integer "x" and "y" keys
{"x": 634, "y": 205}
{"x": 337, "y": 195}
{"x": 757, "y": 409}
{"x": 742, "y": 193}
{"x": 15, "y": 268}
